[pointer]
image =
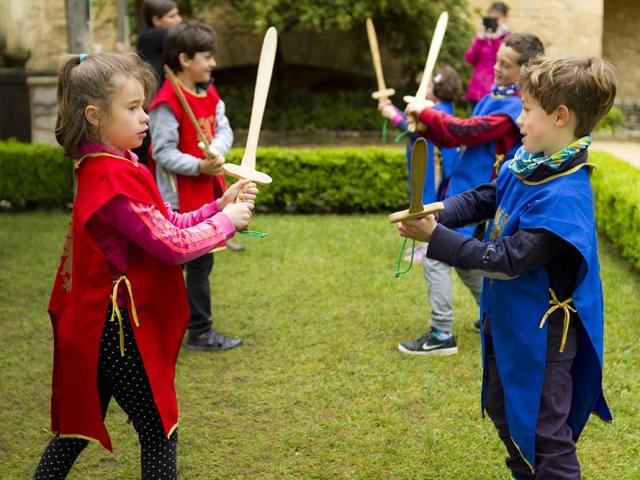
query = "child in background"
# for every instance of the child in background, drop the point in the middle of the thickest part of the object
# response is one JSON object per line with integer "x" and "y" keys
{"x": 488, "y": 137}
{"x": 189, "y": 177}
{"x": 159, "y": 15}
{"x": 482, "y": 53}
{"x": 446, "y": 87}
{"x": 542, "y": 305}
{"x": 118, "y": 305}
{"x": 444, "y": 90}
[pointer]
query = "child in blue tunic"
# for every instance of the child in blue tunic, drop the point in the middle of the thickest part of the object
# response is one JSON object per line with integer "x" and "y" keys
{"x": 485, "y": 139}
{"x": 542, "y": 306}
{"x": 444, "y": 90}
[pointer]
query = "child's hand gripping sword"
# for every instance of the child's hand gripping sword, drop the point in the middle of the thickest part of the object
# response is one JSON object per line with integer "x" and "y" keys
{"x": 432, "y": 58}
{"x": 418, "y": 169}
{"x": 383, "y": 92}
{"x": 247, "y": 168}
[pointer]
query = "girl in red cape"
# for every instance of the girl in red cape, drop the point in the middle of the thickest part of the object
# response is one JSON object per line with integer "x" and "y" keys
{"x": 118, "y": 306}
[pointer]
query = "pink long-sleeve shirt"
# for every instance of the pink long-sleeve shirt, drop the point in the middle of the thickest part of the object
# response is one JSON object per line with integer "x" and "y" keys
{"x": 122, "y": 222}
{"x": 482, "y": 55}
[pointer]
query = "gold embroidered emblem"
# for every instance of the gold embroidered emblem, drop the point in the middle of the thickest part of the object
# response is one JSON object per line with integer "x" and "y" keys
{"x": 499, "y": 222}
{"x": 497, "y": 162}
{"x": 66, "y": 261}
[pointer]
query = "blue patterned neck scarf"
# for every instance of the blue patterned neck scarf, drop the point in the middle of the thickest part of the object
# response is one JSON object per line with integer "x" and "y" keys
{"x": 524, "y": 163}
{"x": 505, "y": 90}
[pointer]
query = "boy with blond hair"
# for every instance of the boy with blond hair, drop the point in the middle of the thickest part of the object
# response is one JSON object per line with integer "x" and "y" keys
{"x": 542, "y": 306}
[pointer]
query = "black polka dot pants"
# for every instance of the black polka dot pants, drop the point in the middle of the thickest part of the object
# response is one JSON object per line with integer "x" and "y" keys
{"x": 125, "y": 379}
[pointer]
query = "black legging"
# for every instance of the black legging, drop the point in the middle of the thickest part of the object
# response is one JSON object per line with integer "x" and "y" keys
{"x": 125, "y": 379}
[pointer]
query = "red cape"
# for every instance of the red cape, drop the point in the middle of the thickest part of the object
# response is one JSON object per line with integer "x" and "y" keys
{"x": 81, "y": 294}
{"x": 193, "y": 192}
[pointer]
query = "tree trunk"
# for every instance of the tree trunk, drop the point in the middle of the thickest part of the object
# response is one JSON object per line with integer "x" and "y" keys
{"x": 78, "y": 26}
{"x": 124, "y": 30}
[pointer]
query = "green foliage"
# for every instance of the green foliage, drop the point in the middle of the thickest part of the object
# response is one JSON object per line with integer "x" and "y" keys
{"x": 304, "y": 110}
{"x": 613, "y": 119}
{"x": 616, "y": 186}
{"x": 34, "y": 175}
{"x": 339, "y": 180}
{"x": 406, "y": 25}
{"x": 305, "y": 180}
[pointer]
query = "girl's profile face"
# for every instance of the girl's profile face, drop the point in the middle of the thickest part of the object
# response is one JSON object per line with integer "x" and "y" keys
{"x": 125, "y": 125}
{"x": 168, "y": 20}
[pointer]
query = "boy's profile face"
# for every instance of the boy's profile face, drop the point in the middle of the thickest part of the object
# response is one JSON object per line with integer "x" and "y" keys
{"x": 506, "y": 69}
{"x": 537, "y": 126}
{"x": 198, "y": 68}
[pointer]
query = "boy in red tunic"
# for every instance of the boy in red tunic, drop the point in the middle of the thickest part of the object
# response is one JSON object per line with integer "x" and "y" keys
{"x": 187, "y": 176}
{"x": 118, "y": 305}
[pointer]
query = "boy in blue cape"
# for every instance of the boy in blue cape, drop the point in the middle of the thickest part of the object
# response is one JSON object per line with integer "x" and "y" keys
{"x": 542, "y": 306}
{"x": 487, "y": 138}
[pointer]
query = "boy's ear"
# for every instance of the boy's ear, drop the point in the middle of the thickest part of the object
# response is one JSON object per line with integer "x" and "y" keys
{"x": 184, "y": 60}
{"x": 92, "y": 114}
{"x": 563, "y": 116}
{"x": 155, "y": 21}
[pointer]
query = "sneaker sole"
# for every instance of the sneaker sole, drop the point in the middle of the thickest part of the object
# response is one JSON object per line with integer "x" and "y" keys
{"x": 198, "y": 348}
{"x": 436, "y": 352}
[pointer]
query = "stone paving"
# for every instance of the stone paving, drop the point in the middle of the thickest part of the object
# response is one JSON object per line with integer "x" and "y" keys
{"x": 629, "y": 151}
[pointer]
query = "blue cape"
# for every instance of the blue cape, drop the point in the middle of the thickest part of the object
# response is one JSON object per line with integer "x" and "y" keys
{"x": 563, "y": 205}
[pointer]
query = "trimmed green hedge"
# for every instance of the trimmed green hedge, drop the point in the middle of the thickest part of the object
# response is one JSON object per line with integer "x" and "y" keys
{"x": 34, "y": 175}
{"x": 305, "y": 180}
{"x": 339, "y": 180}
{"x": 616, "y": 186}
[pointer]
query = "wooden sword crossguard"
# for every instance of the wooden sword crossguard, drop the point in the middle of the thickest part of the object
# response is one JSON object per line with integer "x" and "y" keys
{"x": 418, "y": 168}
{"x": 432, "y": 58}
{"x": 247, "y": 167}
{"x": 383, "y": 92}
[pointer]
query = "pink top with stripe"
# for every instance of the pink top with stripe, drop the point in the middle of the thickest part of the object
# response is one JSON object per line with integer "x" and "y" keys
{"x": 178, "y": 239}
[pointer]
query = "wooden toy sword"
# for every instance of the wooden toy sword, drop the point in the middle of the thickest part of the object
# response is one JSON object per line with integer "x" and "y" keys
{"x": 432, "y": 58}
{"x": 418, "y": 169}
{"x": 247, "y": 168}
{"x": 383, "y": 91}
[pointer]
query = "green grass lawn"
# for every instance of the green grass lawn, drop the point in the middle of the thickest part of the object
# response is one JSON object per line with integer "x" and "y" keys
{"x": 318, "y": 391}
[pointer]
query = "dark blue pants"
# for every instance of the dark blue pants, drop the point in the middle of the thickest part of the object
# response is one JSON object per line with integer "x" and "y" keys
{"x": 199, "y": 292}
{"x": 555, "y": 449}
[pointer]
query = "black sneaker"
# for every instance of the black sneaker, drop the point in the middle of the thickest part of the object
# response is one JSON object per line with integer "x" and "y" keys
{"x": 477, "y": 326}
{"x": 429, "y": 344}
{"x": 212, "y": 342}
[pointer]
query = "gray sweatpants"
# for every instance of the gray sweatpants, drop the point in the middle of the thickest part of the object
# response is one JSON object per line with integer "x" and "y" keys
{"x": 438, "y": 278}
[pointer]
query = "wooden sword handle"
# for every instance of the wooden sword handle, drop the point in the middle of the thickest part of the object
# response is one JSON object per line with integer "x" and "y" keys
{"x": 418, "y": 169}
{"x": 183, "y": 101}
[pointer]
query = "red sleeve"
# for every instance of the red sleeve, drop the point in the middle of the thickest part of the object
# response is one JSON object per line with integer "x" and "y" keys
{"x": 448, "y": 131}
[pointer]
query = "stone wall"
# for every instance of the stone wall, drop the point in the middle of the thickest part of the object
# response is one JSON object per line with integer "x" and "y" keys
{"x": 44, "y": 108}
{"x": 565, "y": 26}
{"x": 41, "y": 27}
{"x": 621, "y": 46}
